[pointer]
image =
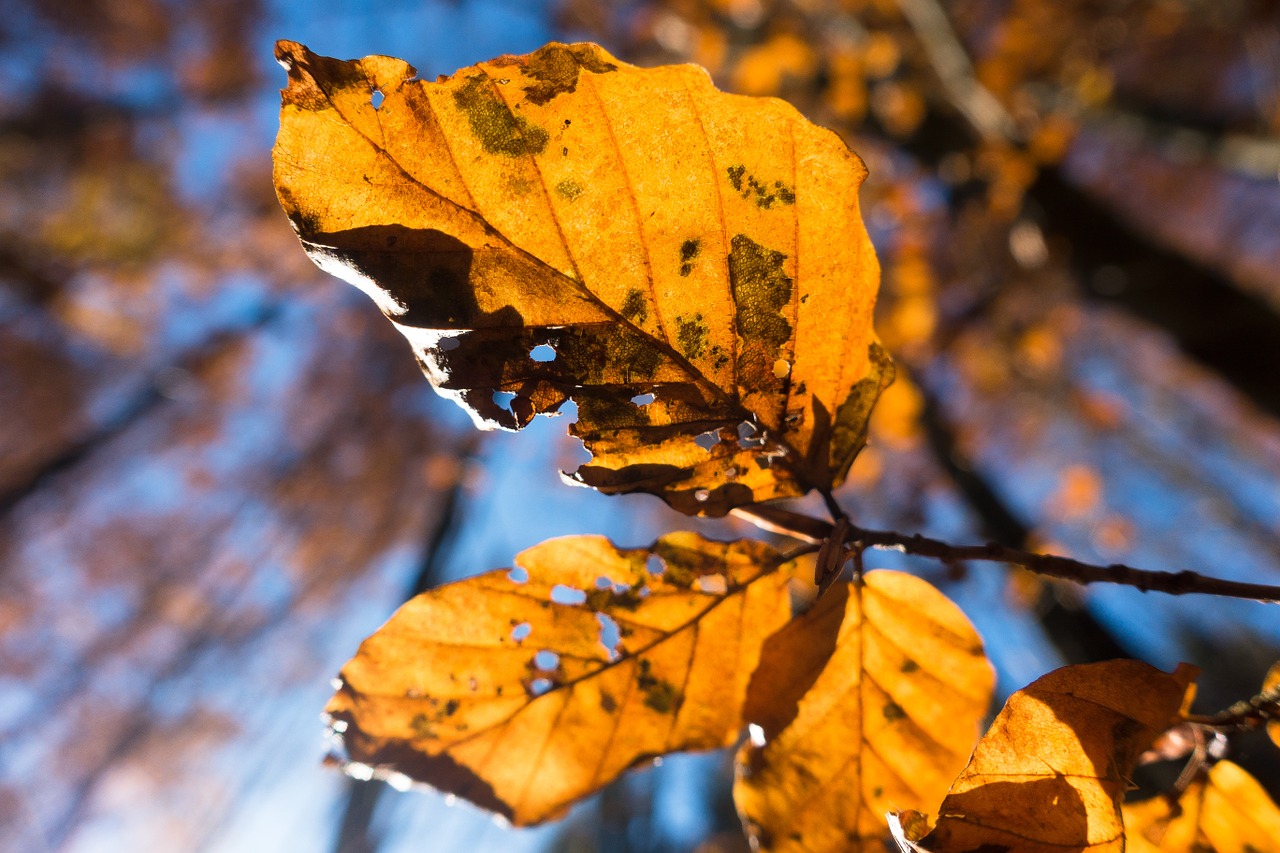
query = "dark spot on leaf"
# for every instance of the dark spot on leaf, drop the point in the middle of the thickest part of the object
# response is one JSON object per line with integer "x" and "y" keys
{"x": 688, "y": 252}
{"x": 691, "y": 335}
{"x": 878, "y": 792}
{"x": 421, "y": 726}
{"x": 764, "y": 195}
{"x": 634, "y": 308}
{"x": 493, "y": 123}
{"x": 893, "y": 711}
{"x": 556, "y": 68}
{"x": 451, "y": 708}
{"x": 849, "y": 432}
{"x": 910, "y": 666}
{"x": 609, "y": 598}
{"x": 607, "y": 703}
{"x": 760, "y": 290}
{"x": 719, "y": 356}
{"x": 735, "y": 176}
{"x": 569, "y": 188}
{"x": 661, "y": 696}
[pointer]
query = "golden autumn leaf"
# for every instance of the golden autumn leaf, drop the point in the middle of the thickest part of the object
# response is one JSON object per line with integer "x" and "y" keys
{"x": 1228, "y": 811}
{"x": 524, "y": 690}
{"x": 868, "y": 703}
{"x": 564, "y": 226}
{"x": 1051, "y": 772}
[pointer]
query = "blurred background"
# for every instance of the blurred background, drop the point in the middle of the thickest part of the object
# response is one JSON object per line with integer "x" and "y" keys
{"x": 220, "y": 469}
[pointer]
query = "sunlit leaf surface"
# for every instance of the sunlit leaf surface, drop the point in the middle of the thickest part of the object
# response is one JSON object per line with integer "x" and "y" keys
{"x": 524, "y": 690}
{"x": 689, "y": 266}
{"x": 886, "y": 723}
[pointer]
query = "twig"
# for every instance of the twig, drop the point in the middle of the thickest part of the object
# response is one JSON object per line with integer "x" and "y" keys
{"x": 814, "y": 532}
{"x": 983, "y": 110}
{"x": 1246, "y": 714}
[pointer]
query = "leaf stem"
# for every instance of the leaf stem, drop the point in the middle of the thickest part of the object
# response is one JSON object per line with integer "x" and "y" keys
{"x": 814, "y": 531}
{"x": 1246, "y": 714}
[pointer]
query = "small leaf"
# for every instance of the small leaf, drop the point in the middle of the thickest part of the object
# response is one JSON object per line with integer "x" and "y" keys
{"x": 524, "y": 694}
{"x": 663, "y": 238}
{"x": 1050, "y": 773}
{"x": 1226, "y": 812}
{"x": 1271, "y": 684}
{"x": 870, "y": 702}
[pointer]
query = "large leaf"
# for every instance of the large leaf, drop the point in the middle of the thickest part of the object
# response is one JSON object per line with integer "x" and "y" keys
{"x": 525, "y": 690}
{"x": 1225, "y": 812}
{"x": 659, "y": 236}
{"x": 884, "y": 723}
{"x": 1051, "y": 772}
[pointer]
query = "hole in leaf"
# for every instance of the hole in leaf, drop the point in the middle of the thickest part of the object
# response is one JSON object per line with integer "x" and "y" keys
{"x": 376, "y": 98}
{"x": 610, "y": 635}
{"x": 715, "y": 584}
{"x": 503, "y": 399}
{"x": 708, "y": 440}
{"x": 521, "y": 631}
{"x": 546, "y": 660}
{"x": 781, "y": 369}
{"x": 643, "y": 399}
{"x": 543, "y": 353}
{"x": 702, "y": 496}
{"x": 655, "y": 564}
{"x": 603, "y": 582}
{"x": 539, "y": 686}
{"x": 749, "y": 436}
{"x": 756, "y": 734}
{"x": 518, "y": 575}
{"x": 562, "y": 594}
{"x": 449, "y": 344}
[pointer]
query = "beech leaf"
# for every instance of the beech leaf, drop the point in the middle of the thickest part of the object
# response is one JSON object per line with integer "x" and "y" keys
{"x": 524, "y": 690}
{"x": 1051, "y": 772}
{"x": 690, "y": 267}
{"x": 1228, "y": 811}
{"x": 870, "y": 702}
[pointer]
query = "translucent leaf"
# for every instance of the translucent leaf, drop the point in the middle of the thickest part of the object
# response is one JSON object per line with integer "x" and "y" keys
{"x": 1051, "y": 772}
{"x": 658, "y": 236}
{"x": 1226, "y": 812}
{"x": 524, "y": 690}
{"x": 868, "y": 703}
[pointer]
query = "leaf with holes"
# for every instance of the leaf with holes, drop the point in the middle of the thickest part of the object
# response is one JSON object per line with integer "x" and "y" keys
{"x": 1051, "y": 772}
{"x": 870, "y": 702}
{"x": 1227, "y": 811}
{"x": 525, "y": 690}
{"x": 690, "y": 267}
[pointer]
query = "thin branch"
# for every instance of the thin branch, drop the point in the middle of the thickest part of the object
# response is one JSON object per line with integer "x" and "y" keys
{"x": 1173, "y": 583}
{"x": 814, "y": 532}
{"x": 983, "y": 110}
{"x": 1247, "y": 714}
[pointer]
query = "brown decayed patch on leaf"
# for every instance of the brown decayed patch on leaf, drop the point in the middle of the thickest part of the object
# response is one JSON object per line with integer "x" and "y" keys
{"x": 662, "y": 236}
{"x": 1225, "y": 812}
{"x": 1051, "y": 772}
{"x": 868, "y": 703}
{"x": 513, "y": 694}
